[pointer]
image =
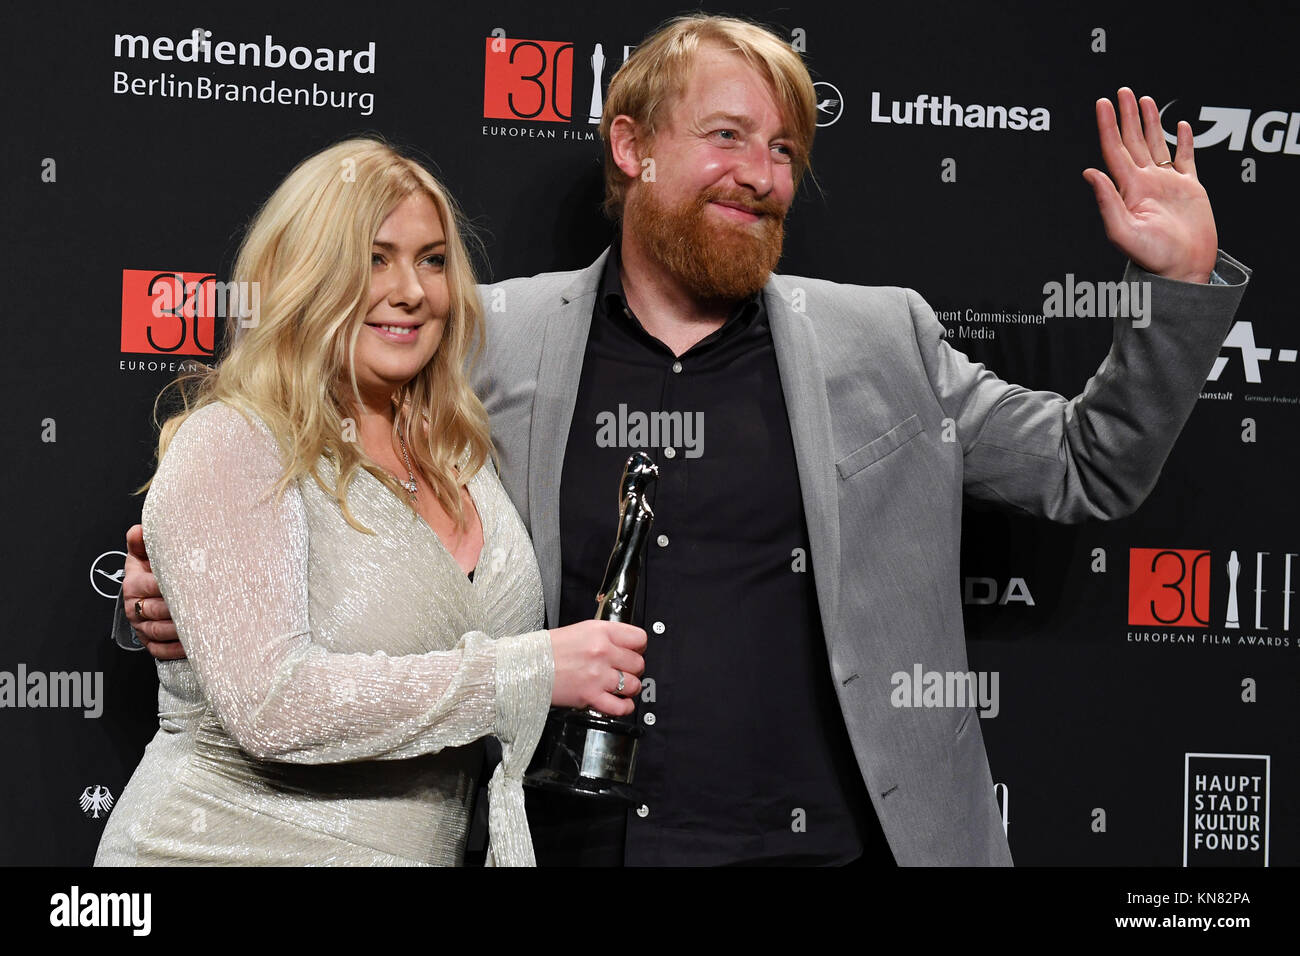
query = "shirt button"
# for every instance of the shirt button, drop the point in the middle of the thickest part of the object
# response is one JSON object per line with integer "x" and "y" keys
{"x": 643, "y": 811}
{"x": 670, "y": 452}
{"x": 677, "y": 366}
{"x": 658, "y": 627}
{"x": 662, "y": 541}
{"x": 649, "y": 719}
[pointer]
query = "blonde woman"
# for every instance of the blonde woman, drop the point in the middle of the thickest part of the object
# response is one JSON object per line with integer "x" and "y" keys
{"x": 358, "y": 598}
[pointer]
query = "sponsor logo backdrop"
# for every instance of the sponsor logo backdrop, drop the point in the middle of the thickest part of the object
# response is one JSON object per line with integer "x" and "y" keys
{"x": 1148, "y": 667}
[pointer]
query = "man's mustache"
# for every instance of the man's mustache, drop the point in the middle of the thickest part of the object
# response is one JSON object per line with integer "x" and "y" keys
{"x": 767, "y": 206}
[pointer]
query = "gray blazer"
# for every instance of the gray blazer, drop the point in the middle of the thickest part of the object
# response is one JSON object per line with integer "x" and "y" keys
{"x": 891, "y": 427}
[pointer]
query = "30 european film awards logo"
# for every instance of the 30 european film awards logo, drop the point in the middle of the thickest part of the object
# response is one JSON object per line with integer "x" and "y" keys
{"x": 166, "y": 312}
{"x": 555, "y": 83}
{"x": 1169, "y": 587}
{"x": 1225, "y": 810}
{"x": 528, "y": 80}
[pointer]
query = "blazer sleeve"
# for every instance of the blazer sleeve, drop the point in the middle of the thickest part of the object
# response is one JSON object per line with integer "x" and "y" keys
{"x": 231, "y": 560}
{"x": 1099, "y": 454}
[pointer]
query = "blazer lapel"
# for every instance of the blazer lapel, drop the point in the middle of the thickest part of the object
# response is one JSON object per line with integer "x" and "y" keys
{"x": 803, "y": 381}
{"x": 564, "y": 343}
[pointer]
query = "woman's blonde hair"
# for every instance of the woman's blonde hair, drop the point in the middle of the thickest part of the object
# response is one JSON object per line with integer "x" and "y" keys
{"x": 291, "y": 363}
{"x": 657, "y": 72}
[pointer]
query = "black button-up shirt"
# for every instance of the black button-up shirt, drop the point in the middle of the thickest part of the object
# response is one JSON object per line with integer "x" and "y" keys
{"x": 745, "y": 758}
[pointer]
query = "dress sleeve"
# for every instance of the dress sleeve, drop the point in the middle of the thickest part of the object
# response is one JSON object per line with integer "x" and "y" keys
{"x": 231, "y": 560}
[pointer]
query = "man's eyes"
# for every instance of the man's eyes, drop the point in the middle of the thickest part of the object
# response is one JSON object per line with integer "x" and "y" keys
{"x": 784, "y": 151}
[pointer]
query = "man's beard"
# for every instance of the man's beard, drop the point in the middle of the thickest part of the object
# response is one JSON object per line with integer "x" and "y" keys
{"x": 717, "y": 260}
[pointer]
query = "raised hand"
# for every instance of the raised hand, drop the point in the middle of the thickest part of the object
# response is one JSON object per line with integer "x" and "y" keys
{"x": 1160, "y": 215}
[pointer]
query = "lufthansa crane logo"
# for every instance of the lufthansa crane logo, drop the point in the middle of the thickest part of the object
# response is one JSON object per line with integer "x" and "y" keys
{"x": 830, "y": 103}
{"x": 106, "y": 573}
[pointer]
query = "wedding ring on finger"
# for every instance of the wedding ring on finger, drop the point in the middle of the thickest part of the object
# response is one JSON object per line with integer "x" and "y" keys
{"x": 139, "y": 610}
{"x": 1167, "y": 162}
{"x": 622, "y": 681}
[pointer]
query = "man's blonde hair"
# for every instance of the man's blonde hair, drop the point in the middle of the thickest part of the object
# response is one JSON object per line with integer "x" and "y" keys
{"x": 308, "y": 249}
{"x": 656, "y": 73}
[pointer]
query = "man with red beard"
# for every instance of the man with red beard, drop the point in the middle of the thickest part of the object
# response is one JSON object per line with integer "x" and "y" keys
{"x": 807, "y": 538}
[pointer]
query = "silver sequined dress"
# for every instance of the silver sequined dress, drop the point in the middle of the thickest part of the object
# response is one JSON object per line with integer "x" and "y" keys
{"x": 338, "y": 684}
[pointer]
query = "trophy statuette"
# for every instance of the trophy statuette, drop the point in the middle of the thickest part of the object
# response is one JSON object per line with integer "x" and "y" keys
{"x": 584, "y": 752}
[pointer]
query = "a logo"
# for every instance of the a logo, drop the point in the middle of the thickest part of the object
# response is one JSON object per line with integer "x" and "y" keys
{"x": 200, "y": 51}
{"x": 977, "y": 590}
{"x": 198, "y": 47}
{"x": 95, "y": 799}
{"x": 927, "y": 110}
{"x": 77, "y": 909}
{"x": 1242, "y": 338}
{"x": 1086, "y": 299}
{"x": 543, "y": 81}
{"x": 167, "y": 312}
{"x": 951, "y": 689}
{"x": 1233, "y": 617}
{"x": 1225, "y": 809}
{"x": 106, "y": 573}
{"x": 528, "y": 80}
{"x": 1169, "y": 587}
{"x": 1274, "y": 131}
{"x": 636, "y": 429}
{"x": 830, "y": 103}
{"x": 80, "y": 690}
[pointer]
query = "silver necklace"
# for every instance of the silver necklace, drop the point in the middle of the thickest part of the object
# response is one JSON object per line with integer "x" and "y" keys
{"x": 409, "y": 484}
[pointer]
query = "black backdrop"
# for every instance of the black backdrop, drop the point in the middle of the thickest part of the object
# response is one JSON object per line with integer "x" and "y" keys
{"x": 1099, "y": 724}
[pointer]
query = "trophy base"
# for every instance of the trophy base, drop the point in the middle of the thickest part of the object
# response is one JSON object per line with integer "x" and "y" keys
{"x": 584, "y": 753}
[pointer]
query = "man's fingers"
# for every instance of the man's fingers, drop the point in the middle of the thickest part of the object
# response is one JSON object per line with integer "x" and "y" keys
{"x": 1184, "y": 161}
{"x": 135, "y": 542}
{"x": 139, "y": 582}
{"x": 1131, "y": 128}
{"x": 142, "y": 610}
{"x": 157, "y": 632}
{"x": 1152, "y": 131}
{"x": 1117, "y": 158}
{"x": 1113, "y": 211}
{"x": 163, "y": 650}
